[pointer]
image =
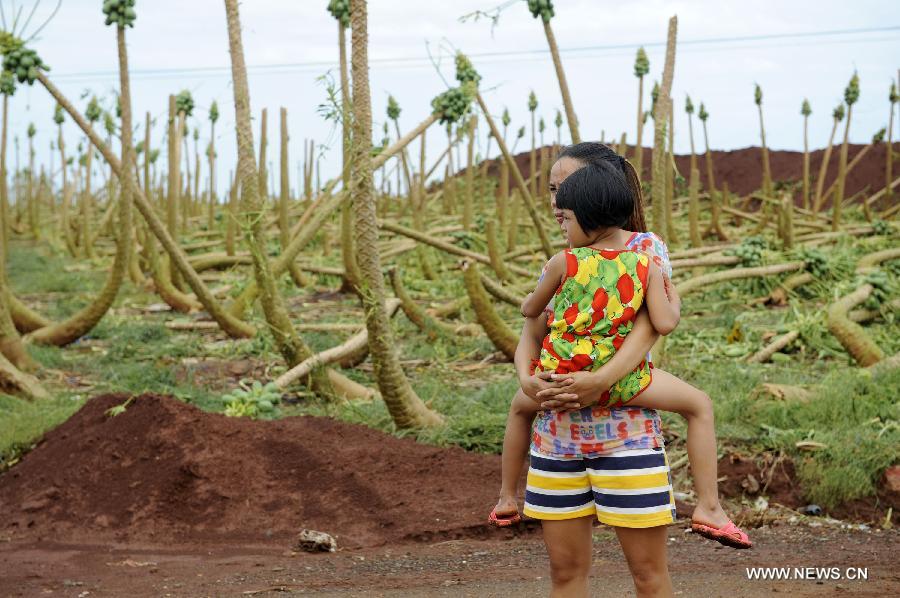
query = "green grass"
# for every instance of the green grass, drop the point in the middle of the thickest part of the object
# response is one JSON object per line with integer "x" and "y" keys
{"x": 24, "y": 422}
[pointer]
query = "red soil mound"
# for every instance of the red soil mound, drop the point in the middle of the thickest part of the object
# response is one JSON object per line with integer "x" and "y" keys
{"x": 166, "y": 471}
{"x": 742, "y": 168}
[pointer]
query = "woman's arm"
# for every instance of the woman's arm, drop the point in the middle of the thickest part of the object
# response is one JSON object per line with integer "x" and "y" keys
{"x": 664, "y": 310}
{"x": 580, "y": 389}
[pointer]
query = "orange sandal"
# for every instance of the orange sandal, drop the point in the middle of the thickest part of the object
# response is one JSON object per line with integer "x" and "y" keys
{"x": 504, "y": 520}
{"x": 729, "y": 535}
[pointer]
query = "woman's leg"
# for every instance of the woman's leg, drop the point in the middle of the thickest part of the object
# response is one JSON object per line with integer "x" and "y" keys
{"x": 570, "y": 547}
{"x": 645, "y": 551}
{"x": 516, "y": 440}
{"x": 668, "y": 393}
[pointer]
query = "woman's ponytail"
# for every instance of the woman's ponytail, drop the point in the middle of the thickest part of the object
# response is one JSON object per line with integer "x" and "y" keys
{"x": 637, "y": 222}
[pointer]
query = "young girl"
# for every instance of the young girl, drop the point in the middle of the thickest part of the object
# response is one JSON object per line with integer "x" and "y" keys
{"x": 597, "y": 288}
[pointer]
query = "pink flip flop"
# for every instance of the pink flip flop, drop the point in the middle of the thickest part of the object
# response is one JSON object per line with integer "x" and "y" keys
{"x": 729, "y": 535}
{"x": 504, "y": 520}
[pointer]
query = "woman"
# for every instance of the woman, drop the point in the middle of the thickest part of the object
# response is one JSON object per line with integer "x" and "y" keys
{"x": 635, "y": 437}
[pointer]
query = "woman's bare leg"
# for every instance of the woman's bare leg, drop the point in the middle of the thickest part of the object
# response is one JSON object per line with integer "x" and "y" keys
{"x": 516, "y": 440}
{"x": 645, "y": 551}
{"x": 669, "y": 393}
{"x": 570, "y": 548}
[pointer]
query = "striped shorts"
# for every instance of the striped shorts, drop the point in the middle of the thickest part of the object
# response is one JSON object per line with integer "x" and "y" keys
{"x": 628, "y": 488}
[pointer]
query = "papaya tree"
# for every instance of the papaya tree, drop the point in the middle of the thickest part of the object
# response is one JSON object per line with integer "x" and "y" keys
{"x": 660, "y": 117}
{"x": 211, "y": 157}
{"x": 837, "y": 115}
{"x": 766, "y": 171}
{"x": 406, "y": 408}
{"x": 122, "y": 14}
{"x": 532, "y": 156}
{"x": 893, "y": 98}
{"x": 851, "y": 95}
{"x": 805, "y": 110}
{"x": 543, "y": 9}
{"x": 641, "y": 68}
{"x": 340, "y": 10}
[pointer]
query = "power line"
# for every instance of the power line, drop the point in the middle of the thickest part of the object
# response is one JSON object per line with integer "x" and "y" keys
{"x": 416, "y": 61}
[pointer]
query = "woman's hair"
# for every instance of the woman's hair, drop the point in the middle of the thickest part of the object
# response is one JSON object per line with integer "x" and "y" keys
{"x": 591, "y": 153}
{"x": 599, "y": 195}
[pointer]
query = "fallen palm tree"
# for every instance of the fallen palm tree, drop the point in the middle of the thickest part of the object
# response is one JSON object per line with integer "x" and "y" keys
{"x": 707, "y": 280}
{"x": 499, "y": 333}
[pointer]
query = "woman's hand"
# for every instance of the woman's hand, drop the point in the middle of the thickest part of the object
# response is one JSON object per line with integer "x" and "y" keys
{"x": 533, "y": 385}
{"x": 574, "y": 390}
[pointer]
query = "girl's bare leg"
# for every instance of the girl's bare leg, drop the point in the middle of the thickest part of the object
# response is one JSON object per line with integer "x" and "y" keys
{"x": 516, "y": 440}
{"x": 645, "y": 551}
{"x": 669, "y": 393}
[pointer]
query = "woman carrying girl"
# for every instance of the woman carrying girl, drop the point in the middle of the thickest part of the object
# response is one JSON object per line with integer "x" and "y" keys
{"x": 605, "y": 461}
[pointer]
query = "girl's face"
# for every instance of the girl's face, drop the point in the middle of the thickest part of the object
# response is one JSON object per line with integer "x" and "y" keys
{"x": 561, "y": 169}
{"x": 575, "y": 235}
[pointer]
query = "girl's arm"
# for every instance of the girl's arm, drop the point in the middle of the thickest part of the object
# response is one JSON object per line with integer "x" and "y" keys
{"x": 665, "y": 310}
{"x": 533, "y": 332}
{"x": 580, "y": 389}
{"x": 535, "y": 302}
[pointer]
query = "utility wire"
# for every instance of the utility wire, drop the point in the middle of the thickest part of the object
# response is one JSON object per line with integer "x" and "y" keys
{"x": 417, "y": 61}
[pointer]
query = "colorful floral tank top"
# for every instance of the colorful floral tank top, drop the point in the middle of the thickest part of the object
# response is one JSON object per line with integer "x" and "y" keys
{"x": 600, "y": 430}
{"x": 594, "y": 308}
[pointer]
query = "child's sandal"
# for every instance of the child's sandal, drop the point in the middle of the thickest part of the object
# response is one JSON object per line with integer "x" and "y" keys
{"x": 729, "y": 534}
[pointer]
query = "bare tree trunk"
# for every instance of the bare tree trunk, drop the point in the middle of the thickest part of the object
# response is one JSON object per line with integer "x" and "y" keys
{"x": 406, "y": 408}
{"x": 292, "y": 348}
{"x": 563, "y": 85}
{"x": 659, "y": 138}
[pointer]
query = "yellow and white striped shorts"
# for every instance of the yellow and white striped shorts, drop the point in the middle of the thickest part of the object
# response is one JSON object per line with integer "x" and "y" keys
{"x": 628, "y": 488}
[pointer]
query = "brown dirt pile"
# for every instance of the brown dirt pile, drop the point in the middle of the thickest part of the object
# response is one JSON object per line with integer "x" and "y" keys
{"x": 166, "y": 471}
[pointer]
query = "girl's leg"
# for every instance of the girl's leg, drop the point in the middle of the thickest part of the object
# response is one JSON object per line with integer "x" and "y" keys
{"x": 516, "y": 440}
{"x": 668, "y": 393}
{"x": 569, "y": 546}
{"x": 645, "y": 551}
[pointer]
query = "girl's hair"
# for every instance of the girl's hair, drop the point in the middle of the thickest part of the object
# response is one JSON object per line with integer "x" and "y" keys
{"x": 599, "y": 195}
{"x": 596, "y": 154}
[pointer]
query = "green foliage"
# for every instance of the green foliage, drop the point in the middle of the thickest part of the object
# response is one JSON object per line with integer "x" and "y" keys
{"x": 7, "y": 84}
{"x": 805, "y": 109}
{"x": 184, "y": 103}
{"x": 542, "y": 9}
{"x": 340, "y": 10}
{"x": 120, "y": 12}
{"x": 750, "y": 251}
{"x": 838, "y": 113}
{"x": 532, "y": 102}
{"x": 702, "y": 114}
{"x": 454, "y": 104}
{"x": 23, "y": 63}
{"x": 505, "y": 119}
{"x": 641, "y": 63}
{"x": 893, "y": 96}
{"x": 654, "y": 96}
{"x": 32, "y": 131}
{"x": 118, "y": 409}
{"x": 465, "y": 71}
{"x": 253, "y": 400}
{"x": 814, "y": 261}
{"x": 23, "y": 422}
{"x": 688, "y": 104}
{"x": 213, "y": 112}
{"x": 851, "y": 93}
{"x": 93, "y": 112}
{"x": 878, "y": 137}
{"x": 520, "y": 133}
{"x": 109, "y": 124}
{"x": 757, "y": 95}
{"x": 881, "y": 227}
{"x": 541, "y": 125}
{"x": 393, "y": 108}
{"x": 558, "y": 121}
{"x": 883, "y": 288}
{"x": 58, "y": 115}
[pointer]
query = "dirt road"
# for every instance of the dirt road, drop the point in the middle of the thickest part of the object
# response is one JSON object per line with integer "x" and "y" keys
{"x": 505, "y": 564}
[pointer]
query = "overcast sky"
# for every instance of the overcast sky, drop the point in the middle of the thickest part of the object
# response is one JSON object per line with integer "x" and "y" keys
{"x": 172, "y": 39}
